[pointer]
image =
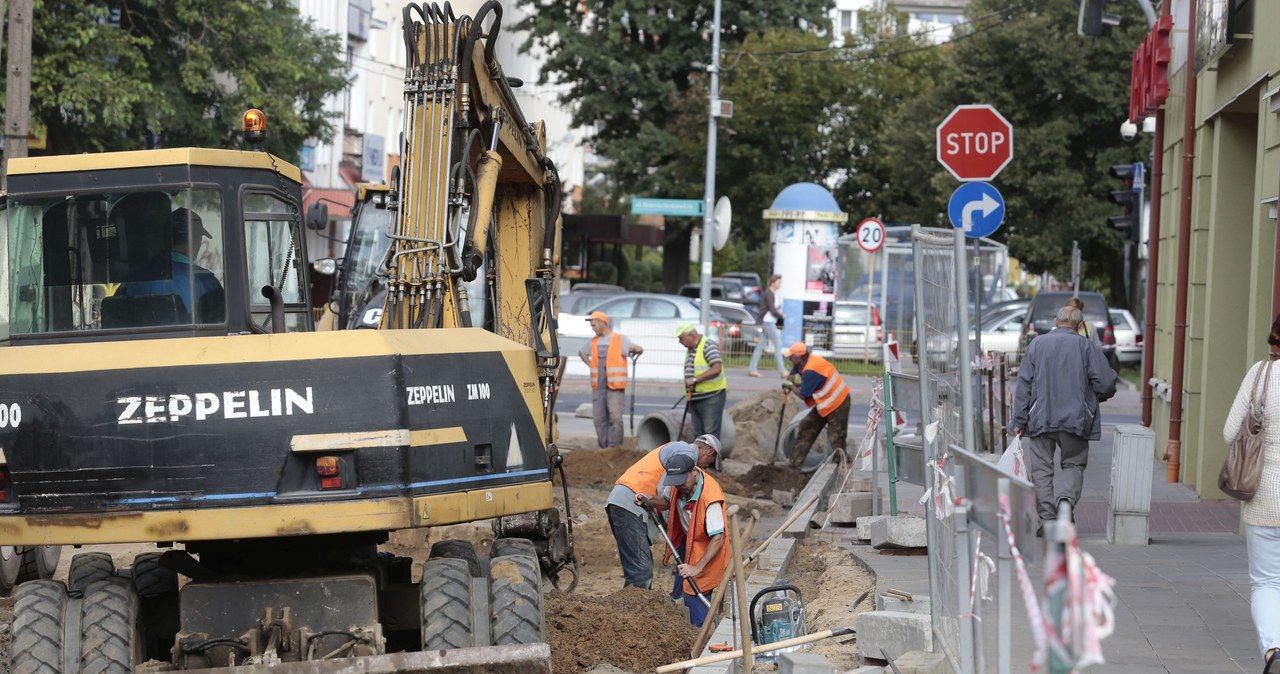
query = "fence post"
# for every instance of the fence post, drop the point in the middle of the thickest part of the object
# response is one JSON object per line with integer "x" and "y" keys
{"x": 891, "y": 414}
{"x": 964, "y": 586}
{"x": 1004, "y": 578}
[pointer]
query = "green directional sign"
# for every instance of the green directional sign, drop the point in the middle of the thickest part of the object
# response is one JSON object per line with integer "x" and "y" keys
{"x": 649, "y": 206}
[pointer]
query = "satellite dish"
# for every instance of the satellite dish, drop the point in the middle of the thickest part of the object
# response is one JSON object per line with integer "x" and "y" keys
{"x": 722, "y": 214}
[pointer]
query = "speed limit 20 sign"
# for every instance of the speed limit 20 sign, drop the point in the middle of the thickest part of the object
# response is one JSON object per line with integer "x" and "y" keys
{"x": 870, "y": 235}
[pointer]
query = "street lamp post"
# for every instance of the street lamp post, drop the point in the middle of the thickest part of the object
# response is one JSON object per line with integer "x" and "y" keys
{"x": 709, "y": 196}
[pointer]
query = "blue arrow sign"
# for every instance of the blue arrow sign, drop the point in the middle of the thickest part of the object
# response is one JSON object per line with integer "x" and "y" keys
{"x": 977, "y": 209}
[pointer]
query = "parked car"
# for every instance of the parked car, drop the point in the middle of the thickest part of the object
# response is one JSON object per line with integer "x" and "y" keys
{"x": 582, "y": 303}
{"x": 660, "y": 314}
{"x": 849, "y": 331}
{"x": 1044, "y": 307}
{"x": 731, "y": 289}
{"x": 1128, "y": 337}
{"x": 751, "y": 285}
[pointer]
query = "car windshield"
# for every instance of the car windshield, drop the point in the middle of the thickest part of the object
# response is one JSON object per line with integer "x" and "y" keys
{"x": 1095, "y": 310}
{"x": 116, "y": 260}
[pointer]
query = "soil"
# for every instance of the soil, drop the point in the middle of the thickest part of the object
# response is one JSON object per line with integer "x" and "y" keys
{"x": 633, "y": 629}
{"x": 761, "y": 481}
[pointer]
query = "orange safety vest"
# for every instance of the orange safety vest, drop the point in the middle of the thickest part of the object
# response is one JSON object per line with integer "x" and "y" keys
{"x": 697, "y": 542}
{"x": 833, "y": 392}
{"x": 615, "y": 364}
{"x": 642, "y": 477}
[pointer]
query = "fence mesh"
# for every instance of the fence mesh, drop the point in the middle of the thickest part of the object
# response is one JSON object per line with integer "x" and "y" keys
{"x": 938, "y": 325}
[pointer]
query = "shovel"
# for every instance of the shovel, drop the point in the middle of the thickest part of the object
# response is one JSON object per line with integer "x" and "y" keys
{"x": 648, "y": 507}
{"x": 634, "y": 358}
{"x": 782, "y": 415}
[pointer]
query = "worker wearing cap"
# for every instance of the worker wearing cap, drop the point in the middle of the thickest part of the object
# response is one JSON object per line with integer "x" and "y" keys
{"x": 704, "y": 380}
{"x": 815, "y": 381}
{"x": 633, "y": 530}
{"x": 198, "y": 288}
{"x": 696, "y": 527}
{"x": 606, "y": 355}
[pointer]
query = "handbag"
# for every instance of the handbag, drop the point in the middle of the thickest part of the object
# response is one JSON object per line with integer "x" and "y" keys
{"x": 1242, "y": 471}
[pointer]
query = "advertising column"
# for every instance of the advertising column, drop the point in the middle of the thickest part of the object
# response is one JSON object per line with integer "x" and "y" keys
{"x": 806, "y": 254}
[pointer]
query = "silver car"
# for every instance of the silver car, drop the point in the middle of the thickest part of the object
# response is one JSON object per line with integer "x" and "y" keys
{"x": 856, "y": 331}
{"x": 1128, "y": 337}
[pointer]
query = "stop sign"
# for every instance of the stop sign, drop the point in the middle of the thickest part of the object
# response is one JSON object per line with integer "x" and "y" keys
{"x": 975, "y": 142}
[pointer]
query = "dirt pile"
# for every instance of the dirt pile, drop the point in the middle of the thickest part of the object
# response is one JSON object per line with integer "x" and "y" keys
{"x": 831, "y": 580}
{"x": 760, "y": 481}
{"x": 756, "y": 420}
{"x": 634, "y": 629}
{"x": 598, "y": 467}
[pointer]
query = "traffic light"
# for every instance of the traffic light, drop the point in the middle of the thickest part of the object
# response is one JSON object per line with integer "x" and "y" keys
{"x": 1094, "y": 19}
{"x": 1127, "y": 222}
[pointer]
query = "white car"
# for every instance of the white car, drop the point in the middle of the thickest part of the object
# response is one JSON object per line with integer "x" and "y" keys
{"x": 1128, "y": 337}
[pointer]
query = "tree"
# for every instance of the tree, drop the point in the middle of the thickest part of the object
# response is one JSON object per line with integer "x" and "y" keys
{"x": 630, "y": 64}
{"x": 1066, "y": 97}
{"x": 179, "y": 72}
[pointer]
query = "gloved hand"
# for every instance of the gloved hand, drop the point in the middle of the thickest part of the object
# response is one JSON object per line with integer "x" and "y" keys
{"x": 786, "y": 386}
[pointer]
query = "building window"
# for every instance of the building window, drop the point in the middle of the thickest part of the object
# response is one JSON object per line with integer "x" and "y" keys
{"x": 846, "y": 21}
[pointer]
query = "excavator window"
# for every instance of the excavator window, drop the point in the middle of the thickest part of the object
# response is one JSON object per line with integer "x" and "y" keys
{"x": 116, "y": 260}
{"x": 275, "y": 260}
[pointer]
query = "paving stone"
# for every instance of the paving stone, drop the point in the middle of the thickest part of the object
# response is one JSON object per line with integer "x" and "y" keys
{"x": 864, "y": 525}
{"x": 896, "y": 632}
{"x": 917, "y": 604}
{"x": 865, "y": 670}
{"x": 899, "y": 532}
{"x": 849, "y": 506}
{"x": 921, "y": 662}
{"x": 804, "y": 663}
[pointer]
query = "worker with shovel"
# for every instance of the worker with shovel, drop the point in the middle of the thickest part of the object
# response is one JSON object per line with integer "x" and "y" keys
{"x": 696, "y": 531}
{"x": 815, "y": 380}
{"x": 606, "y": 355}
{"x": 632, "y": 530}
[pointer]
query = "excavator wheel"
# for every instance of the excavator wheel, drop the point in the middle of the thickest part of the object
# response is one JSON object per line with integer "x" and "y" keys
{"x": 151, "y": 579}
{"x": 10, "y": 567}
{"x": 513, "y": 546}
{"x": 157, "y": 588}
{"x": 38, "y": 612}
{"x": 88, "y": 567}
{"x": 516, "y": 613}
{"x": 39, "y": 562}
{"x": 458, "y": 549}
{"x": 110, "y": 628}
{"x": 445, "y": 599}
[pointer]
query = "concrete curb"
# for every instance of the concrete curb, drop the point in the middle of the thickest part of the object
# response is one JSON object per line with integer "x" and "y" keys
{"x": 773, "y": 562}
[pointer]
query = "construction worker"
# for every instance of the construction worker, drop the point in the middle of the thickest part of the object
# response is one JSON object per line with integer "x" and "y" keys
{"x": 696, "y": 526}
{"x": 633, "y": 530}
{"x": 815, "y": 381}
{"x": 704, "y": 380}
{"x": 606, "y": 355}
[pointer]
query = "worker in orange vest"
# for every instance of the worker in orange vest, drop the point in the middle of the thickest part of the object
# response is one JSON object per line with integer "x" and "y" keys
{"x": 815, "y": 380}
{"x": 606, "y": 355}
{"x": 632, "y": 529}
{"x": 696, "y": 526}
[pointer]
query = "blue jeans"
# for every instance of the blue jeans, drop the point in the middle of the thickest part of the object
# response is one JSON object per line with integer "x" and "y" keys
{"x": 775, "y": 341}
{"x": 632, "y": 536}
{"x": 697, "y": 609}
{"x": 707, "y": 413}
{"x": 1264, "y": 576}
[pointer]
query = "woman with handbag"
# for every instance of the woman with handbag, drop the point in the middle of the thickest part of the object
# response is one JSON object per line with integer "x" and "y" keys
{"x": 770, "y": 319}
{"x": 1252, "y": 473}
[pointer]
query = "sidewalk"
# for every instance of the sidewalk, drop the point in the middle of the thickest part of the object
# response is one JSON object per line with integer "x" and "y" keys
{"x": 1183, "y": 600}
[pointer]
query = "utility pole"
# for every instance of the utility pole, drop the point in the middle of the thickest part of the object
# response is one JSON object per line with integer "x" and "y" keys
{"x": 17, "y": 98}
{"x": 709, "y": 196}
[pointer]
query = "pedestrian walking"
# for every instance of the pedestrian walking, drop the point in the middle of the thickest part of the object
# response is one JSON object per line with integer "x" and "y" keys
{"x": 770, "y": 320}
{"x": 632, "y": 531}
{"x": 704, "y": 380}
{"x": 1062, "y": 379}
{"x": 1261, "y": 514}
{"x": 606, "y": 354}
{"x": 816, "y": 381}
{"x": 696, "y": 526}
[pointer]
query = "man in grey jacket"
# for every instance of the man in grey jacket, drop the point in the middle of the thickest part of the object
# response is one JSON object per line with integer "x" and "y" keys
{"x": 1061, "y": 380}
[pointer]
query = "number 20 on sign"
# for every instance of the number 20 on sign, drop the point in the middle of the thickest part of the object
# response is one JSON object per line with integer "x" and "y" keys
{"x": 870, "y": 235}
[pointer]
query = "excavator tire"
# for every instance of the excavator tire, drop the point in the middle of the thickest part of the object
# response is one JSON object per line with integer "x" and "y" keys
{"x": 88, "y": 567}
{"x": 39, "y": 562}
{"x": 151, "y": 579}
{"x": 445, "y": 599}
{"x": 516, "y": 613}
{"x": 458, "y": 549}
{"x": 513, "y": 546}
{"x": 37, "y": 627}
{"x": 10, "y": 567}
{"x": 110, "y": 628}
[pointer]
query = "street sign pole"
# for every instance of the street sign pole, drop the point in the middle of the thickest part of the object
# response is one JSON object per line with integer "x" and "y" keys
{"x": 709, "y": 196}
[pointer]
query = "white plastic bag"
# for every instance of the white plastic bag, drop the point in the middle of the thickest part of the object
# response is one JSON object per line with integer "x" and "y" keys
{"x": 1011, "y": 461}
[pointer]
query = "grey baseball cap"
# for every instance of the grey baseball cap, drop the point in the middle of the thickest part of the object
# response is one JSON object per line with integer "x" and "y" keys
{"x": 677, "y": 463}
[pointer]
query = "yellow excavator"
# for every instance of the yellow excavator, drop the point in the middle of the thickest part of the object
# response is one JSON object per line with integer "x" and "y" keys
{"x": 163, "y": 381}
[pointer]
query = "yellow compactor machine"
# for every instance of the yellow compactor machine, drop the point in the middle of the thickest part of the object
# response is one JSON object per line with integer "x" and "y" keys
{"x": 163, "y": 381}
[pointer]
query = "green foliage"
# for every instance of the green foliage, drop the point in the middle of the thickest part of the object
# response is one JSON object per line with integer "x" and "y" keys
{"x": 182, "y": 71}
{"x": 1066, "y": 97}
{"x": 645, "y": 270}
